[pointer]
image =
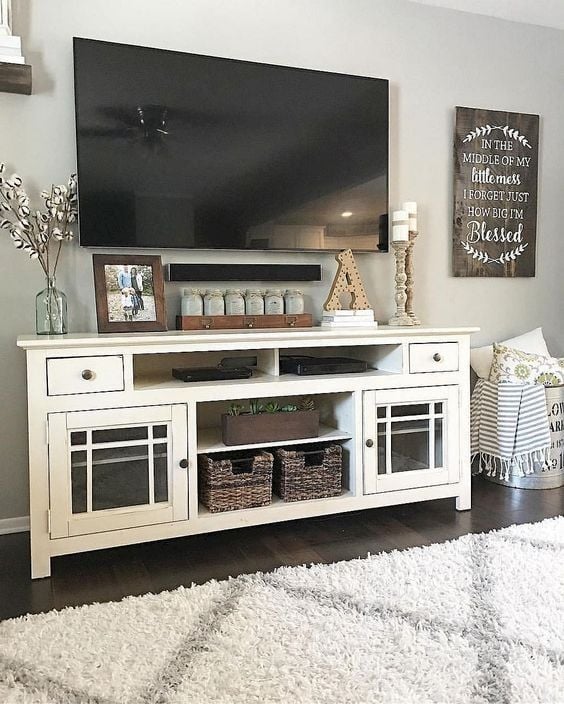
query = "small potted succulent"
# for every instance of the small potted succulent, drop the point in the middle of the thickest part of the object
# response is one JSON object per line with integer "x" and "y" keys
{"x": 269, "y": 422}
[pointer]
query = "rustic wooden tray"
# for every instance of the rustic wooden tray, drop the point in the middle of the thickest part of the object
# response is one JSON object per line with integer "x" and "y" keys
{"x": 269, "y": 427}
{"x": 236, "y": 322}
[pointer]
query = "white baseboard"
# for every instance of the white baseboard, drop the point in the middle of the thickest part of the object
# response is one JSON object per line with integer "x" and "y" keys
{"x": 19, "y": 524}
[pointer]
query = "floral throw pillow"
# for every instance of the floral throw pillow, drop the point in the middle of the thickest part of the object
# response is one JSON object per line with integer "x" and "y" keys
{"x": 511, "y": 366}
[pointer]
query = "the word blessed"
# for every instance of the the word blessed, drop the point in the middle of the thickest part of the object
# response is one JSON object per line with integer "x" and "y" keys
{"x": 478, "y": 232}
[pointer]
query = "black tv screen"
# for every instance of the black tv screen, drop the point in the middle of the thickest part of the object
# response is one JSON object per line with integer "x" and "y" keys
{"x": 189, "y": 151}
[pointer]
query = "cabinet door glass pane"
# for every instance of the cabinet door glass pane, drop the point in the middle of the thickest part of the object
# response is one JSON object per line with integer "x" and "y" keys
{"x": 120, "y": 477}
{"x": 78, "y": 481}
{"x": 439, "y": 443}
{"x": 120, "y": 434}
{"x": 410, "y": 445}
{"x": 119, "y": 467}
{"x": 419, "y": 409}
{"x": 78, "y": 438}
{"x": 160, "y": 460}
{"x": 382, "y": 446}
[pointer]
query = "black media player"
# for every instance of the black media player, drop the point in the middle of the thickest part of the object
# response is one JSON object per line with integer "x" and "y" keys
{"x": 306, "y": 366}
{"x": 211, "y": 373}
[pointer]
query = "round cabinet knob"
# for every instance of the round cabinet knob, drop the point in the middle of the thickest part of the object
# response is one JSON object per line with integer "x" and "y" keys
{"x": 87, "y": 374}
{"x": 437, "y": 357}
{"x": 183, "y": 464}
{"x": 370, "y": 443}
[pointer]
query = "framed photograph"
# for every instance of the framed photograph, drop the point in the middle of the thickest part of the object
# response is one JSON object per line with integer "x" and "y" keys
{"x": 129, "y": 293}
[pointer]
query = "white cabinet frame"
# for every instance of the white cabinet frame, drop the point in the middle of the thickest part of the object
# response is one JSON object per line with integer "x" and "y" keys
{"x": 64, "y": 522}
{"x": 447, "y": 473}
{"x": 149, "y": 393}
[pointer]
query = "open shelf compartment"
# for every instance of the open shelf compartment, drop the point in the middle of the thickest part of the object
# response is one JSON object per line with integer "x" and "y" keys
{"x": 335, "y": 414}
{"x": 386, "y": 358}
{"x": 336, "y": 426}
{"x": 155, "y": 370}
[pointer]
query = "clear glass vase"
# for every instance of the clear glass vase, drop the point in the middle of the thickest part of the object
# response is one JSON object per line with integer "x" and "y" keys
{"x": 51, "y": 310}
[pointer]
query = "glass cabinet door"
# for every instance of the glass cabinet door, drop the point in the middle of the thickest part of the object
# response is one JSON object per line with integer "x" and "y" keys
{"x": 410, "y": 438}
{"x": 117, "y": 468}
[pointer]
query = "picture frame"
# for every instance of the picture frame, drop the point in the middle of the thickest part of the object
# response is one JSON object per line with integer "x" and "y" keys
{"x": 129, "y": 293}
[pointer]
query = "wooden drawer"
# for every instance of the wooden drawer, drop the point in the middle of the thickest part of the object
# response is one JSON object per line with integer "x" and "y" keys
{"x": 433, "y": 357}
{"x": 84, "y": 375}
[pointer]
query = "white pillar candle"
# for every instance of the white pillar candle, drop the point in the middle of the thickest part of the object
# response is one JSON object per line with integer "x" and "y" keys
{"x": 400, "y": 227}
{"x": 411, "y": 208}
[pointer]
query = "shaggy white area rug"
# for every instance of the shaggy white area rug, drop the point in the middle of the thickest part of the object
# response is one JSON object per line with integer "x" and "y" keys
{"x": 479, "y": 619}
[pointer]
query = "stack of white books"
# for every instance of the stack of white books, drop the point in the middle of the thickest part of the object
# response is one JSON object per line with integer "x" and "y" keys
{"x": 348, "y": 319}
{"x": 11, "y": 49}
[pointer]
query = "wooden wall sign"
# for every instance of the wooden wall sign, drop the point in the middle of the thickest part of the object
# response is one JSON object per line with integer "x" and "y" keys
{"x": 495, "y": 193}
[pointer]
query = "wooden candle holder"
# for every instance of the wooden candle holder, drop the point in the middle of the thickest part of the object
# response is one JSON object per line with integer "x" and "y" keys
{"x": 409, "y": 282}
{"x": 401, "y": 317}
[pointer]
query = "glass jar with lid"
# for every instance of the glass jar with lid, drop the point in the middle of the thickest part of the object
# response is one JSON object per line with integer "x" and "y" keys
{"x": 213, "y": 302}
{"x": 294, "y": 301}
{"x": 191, "y": 302}
{"x": 234, "y": 302}
{"x": 274, "y": 302}
{"x": 254, "y": 302}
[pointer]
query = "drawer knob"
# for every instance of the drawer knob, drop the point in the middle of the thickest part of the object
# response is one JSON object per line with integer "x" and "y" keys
{"x": 183, "y": 464}
{"x": 87, "y": 374}
{"x": 437, "y": 357}
{"x": 369, "y": 443}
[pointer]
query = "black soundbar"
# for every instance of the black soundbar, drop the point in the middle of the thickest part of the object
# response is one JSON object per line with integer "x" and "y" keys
{"x": 244, "y": 272}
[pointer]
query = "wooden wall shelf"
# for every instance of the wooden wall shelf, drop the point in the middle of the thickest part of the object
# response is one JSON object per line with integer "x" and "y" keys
{"x": 15, "y": 78}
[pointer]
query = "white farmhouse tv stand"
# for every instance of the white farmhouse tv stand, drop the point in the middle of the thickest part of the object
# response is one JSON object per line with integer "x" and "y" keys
{"x": 114, "y": 439}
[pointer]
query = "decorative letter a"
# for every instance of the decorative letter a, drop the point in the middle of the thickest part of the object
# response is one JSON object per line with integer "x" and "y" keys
{"x": 347, "y": 279}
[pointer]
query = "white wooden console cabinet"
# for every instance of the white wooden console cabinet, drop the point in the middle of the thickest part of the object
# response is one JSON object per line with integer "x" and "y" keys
{"x": 114, "y": 439}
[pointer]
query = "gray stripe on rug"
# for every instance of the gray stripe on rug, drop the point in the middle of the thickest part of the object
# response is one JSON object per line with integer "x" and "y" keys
{"x": 35, "y": 682}
{"x": 173, "y": 674}
{"x": 415, "y": 619}
{"x": 492, "y": 682}
{"x": 533, "y": 542}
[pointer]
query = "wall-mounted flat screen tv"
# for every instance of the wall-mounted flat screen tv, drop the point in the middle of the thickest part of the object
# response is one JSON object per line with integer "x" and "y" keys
{"x": 188, "y": 151}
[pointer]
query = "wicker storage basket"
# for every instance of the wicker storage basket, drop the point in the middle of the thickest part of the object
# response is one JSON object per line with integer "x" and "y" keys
{"x": 311, "y": 472}
{"x": 240, "y": 480}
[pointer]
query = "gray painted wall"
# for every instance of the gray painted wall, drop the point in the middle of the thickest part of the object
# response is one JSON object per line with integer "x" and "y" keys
{"x": 434, "y": 58}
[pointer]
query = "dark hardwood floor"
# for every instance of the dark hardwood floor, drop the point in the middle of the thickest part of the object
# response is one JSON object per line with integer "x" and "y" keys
{"x": 107, "y": 575}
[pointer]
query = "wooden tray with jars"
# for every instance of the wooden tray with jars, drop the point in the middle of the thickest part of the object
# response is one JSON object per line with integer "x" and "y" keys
{"x": 239, "y": 322}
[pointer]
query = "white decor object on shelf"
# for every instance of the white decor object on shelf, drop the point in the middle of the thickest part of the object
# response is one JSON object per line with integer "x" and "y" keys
{"x": 192, "y": 302}
{"x": 400, "y": 247}
{"x": 10, "y": 45}
{"x": 400, "y": 226}
{"x": 98, "y": 401}
{"x": 5, "y": 18}
{"x": 411, "y": 209}
{"x": 214, "y": 303}
{"x": 348, "y": 318}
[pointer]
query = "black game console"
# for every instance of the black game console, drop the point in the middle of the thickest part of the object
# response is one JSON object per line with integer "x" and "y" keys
{"x": 211, "y": 373}
{"x": 306, "y": 366}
